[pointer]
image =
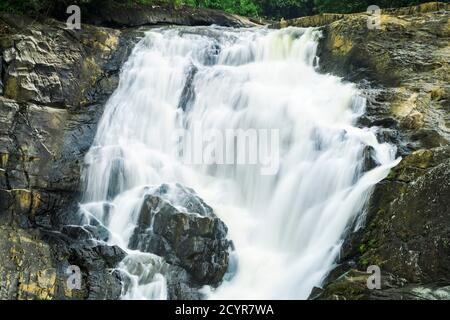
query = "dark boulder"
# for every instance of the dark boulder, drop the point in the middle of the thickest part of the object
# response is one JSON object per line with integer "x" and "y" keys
{"x": 176, "y": 224}
{"x": 368, "y": 159}
{"x": 406, "y": 234}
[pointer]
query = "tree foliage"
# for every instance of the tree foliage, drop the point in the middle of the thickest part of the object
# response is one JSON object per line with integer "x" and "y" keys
{"x": 295, "y": 8}
{"x": 333, "y": 6}
{"x": 273, "y": 9}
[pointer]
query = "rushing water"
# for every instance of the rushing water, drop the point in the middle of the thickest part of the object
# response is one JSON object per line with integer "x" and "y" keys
{"x": 287, "y": 227}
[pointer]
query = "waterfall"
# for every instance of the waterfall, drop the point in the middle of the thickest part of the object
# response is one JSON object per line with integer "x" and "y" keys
{"x": 287, "y": 226}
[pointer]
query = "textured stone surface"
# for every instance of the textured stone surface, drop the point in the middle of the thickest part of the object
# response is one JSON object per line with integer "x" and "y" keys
{"x": 54, "y": 84}
{"x": 185, "y": 232}
{"x": 26, "y": 271}
{"x": 324, "y": 19}
{"x": 403, "y": 70}
{"x": 406, "y": 62}
{"x": 113, "y": 14}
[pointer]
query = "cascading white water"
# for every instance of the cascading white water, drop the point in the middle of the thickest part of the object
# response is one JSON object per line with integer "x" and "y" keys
{"x": 287, "y": 228}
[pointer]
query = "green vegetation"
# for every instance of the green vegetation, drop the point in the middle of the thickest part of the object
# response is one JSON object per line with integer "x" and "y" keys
{"x": 334, "y": 6}
{"x": 272, "y": 9}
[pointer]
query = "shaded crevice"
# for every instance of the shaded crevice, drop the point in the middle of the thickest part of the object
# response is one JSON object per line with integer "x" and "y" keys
{"x": 188, "y": 94}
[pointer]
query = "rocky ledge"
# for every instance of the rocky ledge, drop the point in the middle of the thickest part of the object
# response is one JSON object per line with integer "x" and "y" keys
{"x": 120, "y": 15}
{"x": 403, "y": 69}
{"x": 53, "y": 85}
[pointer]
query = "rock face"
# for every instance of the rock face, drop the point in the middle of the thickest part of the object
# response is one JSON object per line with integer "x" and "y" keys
{"x": 407, "y": 234}
{"x": 194, "y": 239}
{"x": 325, "y": 19}
{"x": 411, "y": 229}
{"x": 54, "y": 83}
{"x": 403, "y": 69}
{"x": 174, "y": 223}
{"x": 406, "y": 62}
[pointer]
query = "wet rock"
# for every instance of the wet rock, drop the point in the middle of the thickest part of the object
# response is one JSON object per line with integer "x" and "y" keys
{"x": 35, "y": 268}
{"x": 47, "y": 64}
{"x": 114, "y": 14}
{"x": 368, "y": 161}
{"x": 86, "y": 232}
{"x": 96, "y": 261}
{"x": 385, "y": 123}
{"x": 155, "y": 273}
{"x": 55, "y": 83}
{"x": 405, "y": 64}
{"x": 353, "y": 286}
{"x": 1, "y": 72}
{"x": 411, "y": 234}
{"x": 407, "y": 233}
{"x": 181, "y": 285}
{"x": 176, "y": 224}
{"x": 26, "y": 270}
{"x": 402, "y": 70}
{"x": 324, "y": 19}
{"x": 60, "y": 79}
{"x": 188, "y": 94}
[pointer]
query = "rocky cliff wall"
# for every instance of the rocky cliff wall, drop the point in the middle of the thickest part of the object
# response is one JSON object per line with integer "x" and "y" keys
{"x": 53, "y": 85}
{"x": 403, "y": 70}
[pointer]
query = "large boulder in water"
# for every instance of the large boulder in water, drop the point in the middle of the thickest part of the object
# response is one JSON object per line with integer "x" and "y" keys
{"x": 176, "y": 224}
